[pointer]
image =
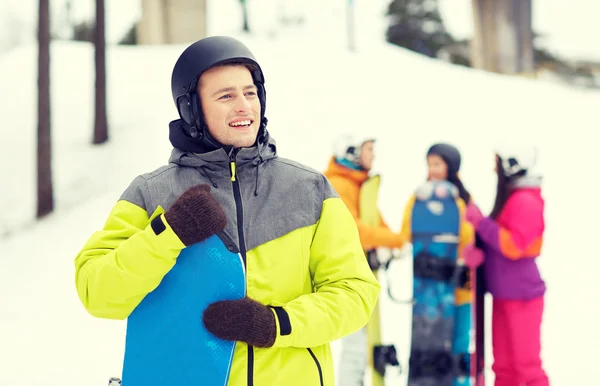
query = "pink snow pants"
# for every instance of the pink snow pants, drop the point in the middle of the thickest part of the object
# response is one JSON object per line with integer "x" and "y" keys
{"x": 516, "y": 342}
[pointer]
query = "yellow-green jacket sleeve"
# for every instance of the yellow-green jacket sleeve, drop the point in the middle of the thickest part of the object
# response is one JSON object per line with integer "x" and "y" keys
{"x": 346, "y": 290}
{"x": 124, "y": 261}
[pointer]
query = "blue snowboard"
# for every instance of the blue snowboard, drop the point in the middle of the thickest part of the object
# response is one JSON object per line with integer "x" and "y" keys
{"x": 435, "y": 228}
{"x": 166, "y": 342}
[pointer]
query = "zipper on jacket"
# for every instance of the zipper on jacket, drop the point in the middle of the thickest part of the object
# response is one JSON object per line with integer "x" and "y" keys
{"x": 314, "y": 357}
{"x": 237, "y": 195}
{"x": 250, "y": 365}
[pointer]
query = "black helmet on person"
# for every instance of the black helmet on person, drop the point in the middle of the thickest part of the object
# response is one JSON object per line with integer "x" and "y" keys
{"x": 449, "y": 154}
{"x": 192, "y": 63}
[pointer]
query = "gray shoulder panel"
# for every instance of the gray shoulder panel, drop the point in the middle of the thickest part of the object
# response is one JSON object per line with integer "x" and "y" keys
{"x": 138, "y": 191}
{"x": 278, "y": 196}
{"x": 290, "y": 196}
{"x": 323, "y": 183}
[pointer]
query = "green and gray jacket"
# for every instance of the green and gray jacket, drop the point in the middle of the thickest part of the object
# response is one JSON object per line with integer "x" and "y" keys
{"x": 298, "y": 239}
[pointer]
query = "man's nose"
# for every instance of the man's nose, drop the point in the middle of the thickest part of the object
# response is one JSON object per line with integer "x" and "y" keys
{"x": 242, "y": 104}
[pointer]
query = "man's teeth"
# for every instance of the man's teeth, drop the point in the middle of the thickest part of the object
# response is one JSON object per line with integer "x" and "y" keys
{"x": 240, "y": 123}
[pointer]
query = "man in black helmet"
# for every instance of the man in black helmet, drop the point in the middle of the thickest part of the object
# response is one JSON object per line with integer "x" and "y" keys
{"x": 200, "y": 67}
{"x": 308, "y": 282}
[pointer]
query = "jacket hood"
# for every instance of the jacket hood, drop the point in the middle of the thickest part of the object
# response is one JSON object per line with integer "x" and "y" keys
{"x": 214, "y": 164}
{"x": 527, "y": 182}
{"x": 221, "y": 157}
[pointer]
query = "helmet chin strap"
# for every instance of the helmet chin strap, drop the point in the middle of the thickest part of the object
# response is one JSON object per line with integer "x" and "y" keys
{"x": 208, "y": 140}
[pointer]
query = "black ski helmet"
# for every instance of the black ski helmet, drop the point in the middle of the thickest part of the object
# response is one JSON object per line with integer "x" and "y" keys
{"x": 195, "y": 60}
{"x": 449, "y": 154}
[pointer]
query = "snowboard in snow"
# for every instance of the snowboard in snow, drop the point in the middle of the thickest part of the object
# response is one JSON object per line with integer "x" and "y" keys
{"x": 166, "y": 342}
{"x": 379, "y": 355}
{"x": 435, "y": 227}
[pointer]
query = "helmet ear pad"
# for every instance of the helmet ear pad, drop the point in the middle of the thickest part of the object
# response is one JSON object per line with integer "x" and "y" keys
{"x": 185, "y": 107}
{"x": 190, "y": 112}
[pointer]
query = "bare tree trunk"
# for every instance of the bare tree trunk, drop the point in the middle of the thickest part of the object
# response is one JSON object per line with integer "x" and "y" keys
{"x": 505, "y": 25}
{"x": 350, "y": 23}
{"x": 484, "y": 46}
{"x": 45, "y": 196}
{"x": 204, "y": 18}
{"x": 477, "y": 41}
{"x": 245, "y": 21}
{"x": 100, "y": 121}
{"x": 503, "y": 40}
{"x": 69, "y": 17}
{"x": 165, "y": 10}
{"x": 525, "y": 16}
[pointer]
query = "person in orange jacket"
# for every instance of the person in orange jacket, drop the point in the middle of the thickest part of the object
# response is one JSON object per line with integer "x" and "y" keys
{"x": 443, "y": 163}
{"x": 348, "y": 171}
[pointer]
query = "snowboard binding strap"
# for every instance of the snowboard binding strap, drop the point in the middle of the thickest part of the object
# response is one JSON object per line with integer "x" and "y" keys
{"x": 373, "y": 260}
{"x": 441, "y": 269}
{"x": 383, "y": 356}
{"x": 432, "y": 267}
{"x": 438, "y": 364}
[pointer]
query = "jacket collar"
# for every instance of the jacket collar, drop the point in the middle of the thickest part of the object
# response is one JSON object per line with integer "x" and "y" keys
{"x": 357, "y": 176}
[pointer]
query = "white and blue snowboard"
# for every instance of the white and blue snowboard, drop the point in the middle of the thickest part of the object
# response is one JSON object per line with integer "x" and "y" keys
{"x": 436, "y": 356}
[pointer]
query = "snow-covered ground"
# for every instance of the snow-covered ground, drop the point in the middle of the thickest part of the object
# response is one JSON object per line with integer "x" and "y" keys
{"x": 316, "y": 89}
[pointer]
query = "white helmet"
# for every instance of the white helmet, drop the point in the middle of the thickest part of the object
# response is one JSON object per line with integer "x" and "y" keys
{"x": 517, "y": 159}
{"x": 347, "y": 146}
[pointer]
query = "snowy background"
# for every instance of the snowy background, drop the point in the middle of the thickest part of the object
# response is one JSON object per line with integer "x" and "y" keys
{"x": 316, "y": 89}
{"x": 569, "y": 27}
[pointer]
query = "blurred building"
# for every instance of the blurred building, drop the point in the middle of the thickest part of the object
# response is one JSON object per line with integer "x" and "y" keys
{"x": 171, "y": 21}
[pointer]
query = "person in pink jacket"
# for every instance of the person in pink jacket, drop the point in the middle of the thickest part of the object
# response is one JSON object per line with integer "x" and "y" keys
{"x": 511, "y": 240}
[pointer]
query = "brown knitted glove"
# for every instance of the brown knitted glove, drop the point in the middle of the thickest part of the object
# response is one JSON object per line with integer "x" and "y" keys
{"x": 196, "y": 215}
{"x": 243, "y": 320}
